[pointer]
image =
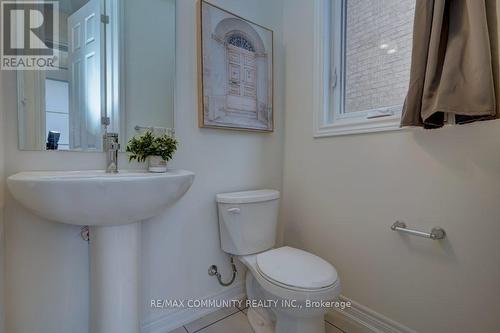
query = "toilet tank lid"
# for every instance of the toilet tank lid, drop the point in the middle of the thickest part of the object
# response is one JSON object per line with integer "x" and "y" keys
{"x": 248, "y": 196}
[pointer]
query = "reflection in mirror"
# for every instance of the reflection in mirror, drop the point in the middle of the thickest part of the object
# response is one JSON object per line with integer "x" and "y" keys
{"x": 61, "y": 108}
{"x": 149, "y": 66}
{"x": 116, "y": 66}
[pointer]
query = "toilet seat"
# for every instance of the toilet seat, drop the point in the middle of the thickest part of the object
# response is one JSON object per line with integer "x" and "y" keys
{"x": 296, "y": 269}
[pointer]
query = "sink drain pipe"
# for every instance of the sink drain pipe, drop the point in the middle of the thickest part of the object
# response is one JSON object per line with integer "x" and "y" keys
{"x": 214, "y": 271}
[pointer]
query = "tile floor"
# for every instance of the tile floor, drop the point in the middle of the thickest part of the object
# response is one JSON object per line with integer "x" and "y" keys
{"x": 229, "y": 320}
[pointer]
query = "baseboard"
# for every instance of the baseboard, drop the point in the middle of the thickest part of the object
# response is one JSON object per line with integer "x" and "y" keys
{"x": 177, "y": 318}
{"x": 360, "y": 319}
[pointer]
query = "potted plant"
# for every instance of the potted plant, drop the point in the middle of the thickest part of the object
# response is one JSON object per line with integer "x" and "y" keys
{"x": 157, "y": 150}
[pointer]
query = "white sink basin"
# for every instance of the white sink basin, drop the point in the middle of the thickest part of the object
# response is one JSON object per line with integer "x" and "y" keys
{"x": 96, "y": 198}
{"x": 113, "y": 205}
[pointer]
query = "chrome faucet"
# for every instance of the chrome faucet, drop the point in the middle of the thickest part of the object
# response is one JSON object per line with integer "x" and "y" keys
{"x": 111, "y": 147}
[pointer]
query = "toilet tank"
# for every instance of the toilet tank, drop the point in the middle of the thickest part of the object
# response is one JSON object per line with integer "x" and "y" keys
{"x": 248, "y": 221}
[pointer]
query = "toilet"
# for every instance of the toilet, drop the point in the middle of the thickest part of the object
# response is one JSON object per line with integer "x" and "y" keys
{"x": 290, "y": 286}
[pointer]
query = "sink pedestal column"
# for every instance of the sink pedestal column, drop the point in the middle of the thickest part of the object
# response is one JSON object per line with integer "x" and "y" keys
{"x": 114, "y": 278}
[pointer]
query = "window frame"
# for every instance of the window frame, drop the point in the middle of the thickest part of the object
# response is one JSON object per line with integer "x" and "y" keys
{"x": 329, "y": 80}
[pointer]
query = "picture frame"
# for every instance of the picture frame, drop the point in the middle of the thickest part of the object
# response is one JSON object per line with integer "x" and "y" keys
{"x": 235, "y": 71}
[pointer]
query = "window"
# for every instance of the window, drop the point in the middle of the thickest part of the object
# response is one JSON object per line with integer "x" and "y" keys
{"x": 241, "y": 42}
{"x": 363, "y": 57}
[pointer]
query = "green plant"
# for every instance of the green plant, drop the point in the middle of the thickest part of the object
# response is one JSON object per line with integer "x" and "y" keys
{"x": 147, "y": 144}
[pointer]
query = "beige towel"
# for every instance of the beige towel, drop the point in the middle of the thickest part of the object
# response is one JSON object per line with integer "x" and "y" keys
{"x": 454, "y": 63}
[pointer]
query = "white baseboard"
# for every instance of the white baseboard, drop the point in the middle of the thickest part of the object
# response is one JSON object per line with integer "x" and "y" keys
{"x": 360, "y": 319}
{"x": 177, "y": 318}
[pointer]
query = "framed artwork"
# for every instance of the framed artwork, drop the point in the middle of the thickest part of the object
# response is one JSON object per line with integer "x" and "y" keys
{"x": 235, "y": 71}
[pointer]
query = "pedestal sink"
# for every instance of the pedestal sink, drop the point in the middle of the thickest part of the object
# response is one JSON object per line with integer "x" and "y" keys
{"x": 113, "y": 205}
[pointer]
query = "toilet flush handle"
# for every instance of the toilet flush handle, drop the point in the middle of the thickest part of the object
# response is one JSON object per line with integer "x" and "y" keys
{"x": 234, "y": 210}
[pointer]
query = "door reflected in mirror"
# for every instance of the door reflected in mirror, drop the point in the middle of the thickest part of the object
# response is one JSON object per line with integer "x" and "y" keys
{"x": 116, "y": 67}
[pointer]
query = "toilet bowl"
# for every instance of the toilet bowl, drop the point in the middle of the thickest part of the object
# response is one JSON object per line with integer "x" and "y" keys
{"x": 287, "y": 288}
{"x": 296, "y": 296}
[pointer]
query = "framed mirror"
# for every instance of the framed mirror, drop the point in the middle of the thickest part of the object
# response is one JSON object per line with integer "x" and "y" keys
{"x": 116, "y": 71}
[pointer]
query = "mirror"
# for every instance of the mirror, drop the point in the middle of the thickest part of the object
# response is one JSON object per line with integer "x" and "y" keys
{"x": 116, "y": 70}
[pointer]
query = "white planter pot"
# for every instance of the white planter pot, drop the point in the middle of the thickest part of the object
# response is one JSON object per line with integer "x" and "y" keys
{"x": 157, "y": 164}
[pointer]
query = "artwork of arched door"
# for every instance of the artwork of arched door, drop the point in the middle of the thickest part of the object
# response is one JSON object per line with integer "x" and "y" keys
{"x": 241, "y": 77}
{"x": 236, "y": 72}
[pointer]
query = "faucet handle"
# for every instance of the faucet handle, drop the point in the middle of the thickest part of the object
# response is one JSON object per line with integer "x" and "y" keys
{"x": 114, "y": 146}
{"x": 111, "y": 141}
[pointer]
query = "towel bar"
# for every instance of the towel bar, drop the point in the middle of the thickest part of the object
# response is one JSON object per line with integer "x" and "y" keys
{"x": 435, "y": 234}
{"x": 169, "y": 131}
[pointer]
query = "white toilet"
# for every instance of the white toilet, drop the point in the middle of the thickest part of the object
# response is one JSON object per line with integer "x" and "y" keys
{"x": 296, "y": 281}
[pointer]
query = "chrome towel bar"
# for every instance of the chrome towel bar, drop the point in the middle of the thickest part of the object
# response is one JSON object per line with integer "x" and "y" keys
{"x": 436, "y": 233}
{"x": 162, "y": 130}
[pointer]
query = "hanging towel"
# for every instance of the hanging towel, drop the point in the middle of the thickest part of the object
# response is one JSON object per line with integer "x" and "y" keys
{"x": 454, "y": 63}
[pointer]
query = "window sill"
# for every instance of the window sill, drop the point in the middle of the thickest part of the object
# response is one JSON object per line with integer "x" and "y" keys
{"x": 358, "y": 126}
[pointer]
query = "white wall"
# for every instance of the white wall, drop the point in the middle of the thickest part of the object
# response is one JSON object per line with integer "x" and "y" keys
{"x": 47, "y": 263}
{"x": 341, "y": 195}
{"x": 2, "y": 182}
